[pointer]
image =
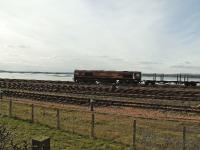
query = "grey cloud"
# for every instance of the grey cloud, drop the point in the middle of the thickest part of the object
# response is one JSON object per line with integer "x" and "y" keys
{"x": 118, "y": 59}
{"x": 150, "y": 63}
{"x": 114, "y": 34}
{"x": 19, "y": 46}
{"x": 189, "y": 67}
{"x": 24, "y": 46}
{"x": 187, "y": 62}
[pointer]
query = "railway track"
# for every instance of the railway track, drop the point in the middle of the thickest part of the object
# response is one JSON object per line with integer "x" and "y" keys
{"x": 133, "y": 92}
{"x": 98, "y": 102}
{"x": 22, "y": 82}
{"x": 45, "y": 91}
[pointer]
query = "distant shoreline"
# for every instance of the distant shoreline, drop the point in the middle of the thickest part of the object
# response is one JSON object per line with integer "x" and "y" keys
{"x": 35, "y": 72}
{"x": 144, "y": 74}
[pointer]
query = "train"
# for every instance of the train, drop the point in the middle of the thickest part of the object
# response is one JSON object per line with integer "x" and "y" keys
{"x": 110, "y": 77}
{"x": 128, "y": 77}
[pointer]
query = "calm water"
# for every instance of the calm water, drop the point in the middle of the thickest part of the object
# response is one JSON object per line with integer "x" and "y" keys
{"x": 57, "y": 77}
{"x": 65, "y": 77}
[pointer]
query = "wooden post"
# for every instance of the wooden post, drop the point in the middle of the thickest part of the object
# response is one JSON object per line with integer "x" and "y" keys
{"x": 10, "y": 108}
{"x": 91, "y": 105}
{"x": 1, "y": 94}
{"x": 32, "y": 113}
{"x": 1, "y": 98}
{"x": 92, "y": 135}
{"x": 134, "y": 135}
{"x": 184, "y": 138}
{"x": 92, "y": 125}
{"x": 58, "y": 118}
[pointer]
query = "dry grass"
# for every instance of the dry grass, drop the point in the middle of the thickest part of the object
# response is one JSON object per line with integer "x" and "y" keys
{"x": 157, "y": 134}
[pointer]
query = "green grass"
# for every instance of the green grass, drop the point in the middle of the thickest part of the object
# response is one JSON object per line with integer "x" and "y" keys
{"x": 59, "y": 139}
{"x": 151, "y": 134}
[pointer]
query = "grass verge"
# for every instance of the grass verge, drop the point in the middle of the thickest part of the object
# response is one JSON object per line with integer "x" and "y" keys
{"x": 60, "y": 140}
{"x": 150, "y": 134}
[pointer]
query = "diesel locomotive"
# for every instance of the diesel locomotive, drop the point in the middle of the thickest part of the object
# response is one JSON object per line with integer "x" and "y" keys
{"x": 111, "y": 77}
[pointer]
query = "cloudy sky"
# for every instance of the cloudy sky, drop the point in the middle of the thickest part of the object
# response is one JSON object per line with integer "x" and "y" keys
{"x": 63, "y": 35}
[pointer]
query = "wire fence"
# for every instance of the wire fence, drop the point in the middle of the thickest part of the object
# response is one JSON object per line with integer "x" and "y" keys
{"x": 138, "y": 133}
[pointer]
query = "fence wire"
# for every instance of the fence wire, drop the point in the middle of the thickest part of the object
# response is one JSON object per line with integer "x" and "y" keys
{"x": 150, "y": 134}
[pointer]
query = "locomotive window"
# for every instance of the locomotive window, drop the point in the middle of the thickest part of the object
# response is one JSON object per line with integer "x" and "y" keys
{"x": 127, "y": 76}
{"x": 88, "y": 74}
